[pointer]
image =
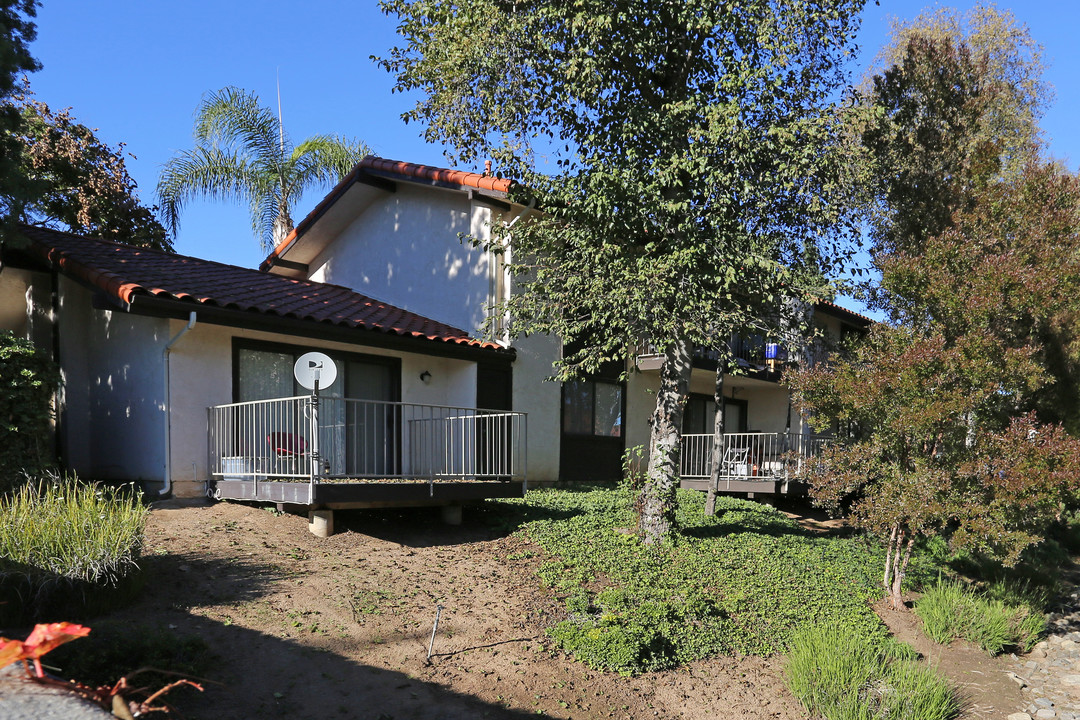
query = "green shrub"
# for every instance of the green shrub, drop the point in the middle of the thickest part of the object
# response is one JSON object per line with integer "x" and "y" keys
{"x": 843, "y": 674}
{"x": 949, "y": 610}
{"x": 67, "y": 549}
{"x": 28, "y": 379}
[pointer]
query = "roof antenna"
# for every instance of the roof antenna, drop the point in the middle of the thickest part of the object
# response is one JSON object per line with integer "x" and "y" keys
{"x": 280, "y": 125}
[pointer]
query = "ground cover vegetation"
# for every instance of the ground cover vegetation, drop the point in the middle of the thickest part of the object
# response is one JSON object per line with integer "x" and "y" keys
{"x": 68, "y": 549}
{"x": 949, "y": 611}
{"x": 242, "y": 152}
{"x": 742, "y": 581}
{"x": 953, "y": 415}
{"x": 676, "y": 161}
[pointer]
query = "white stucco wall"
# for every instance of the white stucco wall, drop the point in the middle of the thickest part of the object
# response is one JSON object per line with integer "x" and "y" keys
{"x": 13, "y": 301}
{"x": 767, "y": 403}
{"x": 113, "y": 389}
{"x": 641, "y": 390}
{"x": 404, "y": 250}
{"x": 541, "y": 399}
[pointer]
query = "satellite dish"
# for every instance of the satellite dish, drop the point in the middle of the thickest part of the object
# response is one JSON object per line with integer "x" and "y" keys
{"x": 315, "y": 366}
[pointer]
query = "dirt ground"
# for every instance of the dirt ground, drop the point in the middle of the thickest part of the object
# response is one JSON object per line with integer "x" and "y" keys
{"x": 305, "y": 627}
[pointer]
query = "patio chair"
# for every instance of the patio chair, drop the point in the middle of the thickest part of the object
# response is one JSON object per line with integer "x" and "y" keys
{"x": 735, "y": 462}
{"x": 288, "y": 448}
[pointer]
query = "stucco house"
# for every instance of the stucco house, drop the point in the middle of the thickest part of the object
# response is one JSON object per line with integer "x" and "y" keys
{"x": 393, "y": 230}
{"x": 379, "y": 278}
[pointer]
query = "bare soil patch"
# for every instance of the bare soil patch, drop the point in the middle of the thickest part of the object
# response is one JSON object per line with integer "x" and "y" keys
{"x": 339, "y": 627}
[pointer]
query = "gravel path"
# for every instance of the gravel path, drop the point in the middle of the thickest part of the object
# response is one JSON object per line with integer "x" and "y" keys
{"x": 23, "y": 699}
{"x": 1051, "y": 671}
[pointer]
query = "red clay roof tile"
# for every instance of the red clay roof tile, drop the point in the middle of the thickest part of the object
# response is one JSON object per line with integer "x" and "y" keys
{"x": 125, "y": 272}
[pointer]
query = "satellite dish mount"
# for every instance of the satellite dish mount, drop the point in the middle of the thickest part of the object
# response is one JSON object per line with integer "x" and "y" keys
{"x": 314, "y": 370}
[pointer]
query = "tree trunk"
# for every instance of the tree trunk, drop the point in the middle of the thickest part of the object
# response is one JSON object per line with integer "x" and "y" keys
{"x": 283, "y": 224}
{"x": 717, "y": 454}
{"x": 658, "y": 492}
{"x": 898, "y": 573}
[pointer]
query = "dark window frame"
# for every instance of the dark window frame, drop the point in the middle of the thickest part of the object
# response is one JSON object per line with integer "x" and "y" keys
{"x": 709, "y": 400}
{"x": 239, "y": 344}
{"x": 592, "y": 409}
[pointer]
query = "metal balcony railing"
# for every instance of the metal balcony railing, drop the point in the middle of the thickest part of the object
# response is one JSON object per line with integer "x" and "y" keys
{"x": 750, "y": 456}
{"x": 339, "y": 439}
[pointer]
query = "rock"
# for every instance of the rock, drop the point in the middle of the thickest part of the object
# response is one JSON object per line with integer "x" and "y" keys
{"x": 1045, "y": 714}
{"x": 1070, "y": 679}
{"x": 1018, "y": 716}
{"x": 1017, "y": 679}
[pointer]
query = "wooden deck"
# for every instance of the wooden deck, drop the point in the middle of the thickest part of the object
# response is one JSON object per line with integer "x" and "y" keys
{"x": 757, "y": 486}
{"x": 366, "y": 493}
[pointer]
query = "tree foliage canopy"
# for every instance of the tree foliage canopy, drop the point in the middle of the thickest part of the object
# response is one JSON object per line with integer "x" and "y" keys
{"x": 76, "y": 182}
{"x": 676, "y": 150}
{"x": 243, "y": 153}
{"x": 679, "y": 152}
{"x": 17, "y": 31}
{"x": 953, "y": 414}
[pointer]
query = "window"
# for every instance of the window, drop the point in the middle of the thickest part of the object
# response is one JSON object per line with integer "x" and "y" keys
{"x": 355, "y": 438}
{"x": 700, "y": 415}
{"x": 592, "y": 407}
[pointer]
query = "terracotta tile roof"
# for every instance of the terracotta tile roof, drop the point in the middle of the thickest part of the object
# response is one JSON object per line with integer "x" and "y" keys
{"x": 843, "y": 311}
{"x": 126, "y": 273}
{"x": 412, "y": 171}
{"x": 393, "y": 169}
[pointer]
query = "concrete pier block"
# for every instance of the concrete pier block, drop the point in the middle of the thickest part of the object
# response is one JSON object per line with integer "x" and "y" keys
{"x": 321, "y": 522}
{"x": 451, "y": 514}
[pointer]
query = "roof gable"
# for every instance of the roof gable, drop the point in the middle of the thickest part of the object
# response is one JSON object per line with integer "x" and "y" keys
{"x": 372, "y": 177}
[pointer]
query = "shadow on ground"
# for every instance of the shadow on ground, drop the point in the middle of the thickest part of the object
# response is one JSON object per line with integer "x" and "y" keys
{"x": 256, "y": 675}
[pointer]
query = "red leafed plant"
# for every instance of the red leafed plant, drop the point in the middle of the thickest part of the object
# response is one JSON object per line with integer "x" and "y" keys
{"x": 46, "y": 637}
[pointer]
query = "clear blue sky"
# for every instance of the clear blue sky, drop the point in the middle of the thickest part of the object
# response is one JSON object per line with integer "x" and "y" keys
{"x": 136, "y": 69}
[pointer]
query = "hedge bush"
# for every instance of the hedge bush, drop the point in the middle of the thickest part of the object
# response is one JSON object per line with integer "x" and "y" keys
{"x": 28, "y": 380}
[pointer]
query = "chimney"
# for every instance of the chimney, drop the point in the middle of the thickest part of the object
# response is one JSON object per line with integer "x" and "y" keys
{"x": 487, "y": 168}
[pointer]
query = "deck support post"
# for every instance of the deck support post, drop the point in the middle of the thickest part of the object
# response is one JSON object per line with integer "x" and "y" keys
{"x": 321, "y": 522}
{"x": 451, "y": 514}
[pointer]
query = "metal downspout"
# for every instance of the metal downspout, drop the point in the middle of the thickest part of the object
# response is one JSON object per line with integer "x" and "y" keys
{"x": 168, "y": 404}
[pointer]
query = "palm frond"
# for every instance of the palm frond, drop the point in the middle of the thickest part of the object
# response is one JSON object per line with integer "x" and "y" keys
{"x": 264, "y": 212}
{"x": 233, "y": 118}
{"x": 326, "y": 159}
{"x": 202, "y": 171}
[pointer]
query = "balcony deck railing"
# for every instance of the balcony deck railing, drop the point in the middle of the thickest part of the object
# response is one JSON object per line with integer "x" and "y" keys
{"x": 339, "y": 439}
{"x": 750, "y": 456}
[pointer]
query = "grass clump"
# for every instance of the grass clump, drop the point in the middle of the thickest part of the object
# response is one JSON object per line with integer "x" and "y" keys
{"x": 950, "y": 610}
{"x": 740, "y": 582}
{"x": 67, "y": 548}
{"x": 843, "y": 674}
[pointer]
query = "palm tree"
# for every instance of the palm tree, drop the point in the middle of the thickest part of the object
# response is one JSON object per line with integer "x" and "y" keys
{"x": 242, "y": 152}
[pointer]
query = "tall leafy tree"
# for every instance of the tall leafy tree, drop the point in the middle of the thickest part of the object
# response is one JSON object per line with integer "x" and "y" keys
{"x": 679, "y": 154}
{"x": 243, "y": 153}
{"x": 17, "y": 31}
{"x": 954, "y": 106}
{"x": 76, "y": 182}
{"x": 954, "y": 412}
